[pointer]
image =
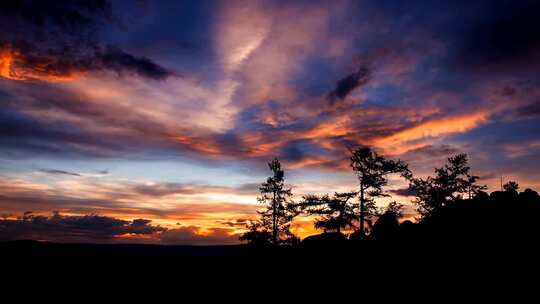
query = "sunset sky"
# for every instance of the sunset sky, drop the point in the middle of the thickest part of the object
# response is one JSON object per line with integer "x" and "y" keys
{"x": 169, "y": 110}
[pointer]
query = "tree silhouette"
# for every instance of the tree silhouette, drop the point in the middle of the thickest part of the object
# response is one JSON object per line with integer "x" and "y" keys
{"x": 279, "y": 210}
{"x": 372, "y": 171}
{"x": 450, "y": 183}
{"x": 335, "y": 213}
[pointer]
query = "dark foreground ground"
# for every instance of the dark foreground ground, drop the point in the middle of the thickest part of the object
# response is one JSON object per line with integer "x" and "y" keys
{"x": 369, "y": 254}
{"x": 383, "y": 269}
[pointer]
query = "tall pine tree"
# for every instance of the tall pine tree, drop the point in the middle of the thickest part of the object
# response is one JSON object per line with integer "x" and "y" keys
{"x": 372, "y": 171}
{"x": 279, "y": 210}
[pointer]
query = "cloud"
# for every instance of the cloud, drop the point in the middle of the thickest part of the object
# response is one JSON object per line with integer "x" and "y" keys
{"x": 195, "y": 236}
{"x": 346, "y": 85}
{"x": 235, "y": 223}
{"x": 60, "y": 41}
{"x": 64, "y": 228}
{"x": 164, "y": 189}
{"x": 105, "y": 229}
{"x": 272, "y": 41}
{"x": 432, "y": 151}
{"x": 79, "y": 118}
{"x": 60, "y": 172}
{"x": 403, "y": 192}
{"x": 431, "y": 129}
{"x": 122, "y": 62}
{"x": 168, "y": 203}
{"x": 529, "y": 110}
{"x": 242, "y": 28}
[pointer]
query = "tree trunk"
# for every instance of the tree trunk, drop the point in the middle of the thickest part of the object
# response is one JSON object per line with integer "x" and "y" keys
{"x": 274, "y": 220}
{"x": 362, "y": 207}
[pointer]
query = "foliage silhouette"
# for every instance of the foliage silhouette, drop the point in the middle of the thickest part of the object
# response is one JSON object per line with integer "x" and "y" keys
{"x": 334, "y": 213}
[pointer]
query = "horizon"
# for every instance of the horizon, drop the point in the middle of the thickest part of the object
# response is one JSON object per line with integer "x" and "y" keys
{"x": 169, "y": 111}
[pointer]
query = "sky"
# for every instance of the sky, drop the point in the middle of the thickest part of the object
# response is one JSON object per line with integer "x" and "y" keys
{"x": 153, "y": 121}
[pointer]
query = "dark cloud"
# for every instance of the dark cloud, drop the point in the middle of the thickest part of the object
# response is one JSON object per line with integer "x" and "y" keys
{"x": 69, "y": 15}
{"x": 483, "y": 36}
{"x": 530, "y": 110}
{"x": 503, "y": 33}
{"x": 51, "y": 41}
{"x": 403, "y": 192}
{"x": 59, "y": 172}
{"x": 104, "y": 229}
{"x": 293, "y": 151}
{"x": 346, "y": 85}
{"x": 432, "y": 151}
{"x": 122, "y": 62}
{"x": 234, "y": 223}
{"x": 192, "y": 236}
{"x": 61, "y": 228}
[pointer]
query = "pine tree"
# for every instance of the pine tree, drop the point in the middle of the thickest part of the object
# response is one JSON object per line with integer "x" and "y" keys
{"x": 450, "y": 184}
{"x": 279, "y": 210}
{"x": 372, "y": 171}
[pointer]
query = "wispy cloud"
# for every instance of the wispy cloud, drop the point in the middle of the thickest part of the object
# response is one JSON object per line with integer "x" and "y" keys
{"x": 60, "y": 172}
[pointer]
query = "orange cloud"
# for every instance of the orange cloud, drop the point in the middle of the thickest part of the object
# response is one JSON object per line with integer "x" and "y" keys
{"x": 339, "y": 127}
{"x": 200, "y": 145}
{"x": 404, "y": 140}
{"x": 14, "y": 66}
